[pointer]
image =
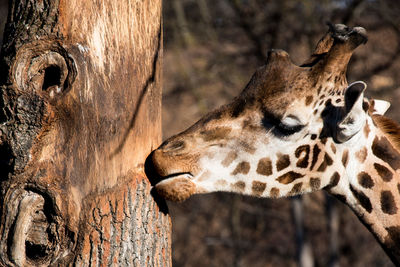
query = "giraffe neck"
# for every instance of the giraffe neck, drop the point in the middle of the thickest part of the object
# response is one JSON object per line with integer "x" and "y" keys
{"x": 372, "y": 189}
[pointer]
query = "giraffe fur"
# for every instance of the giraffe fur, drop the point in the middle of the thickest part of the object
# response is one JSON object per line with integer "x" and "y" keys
{"x": 294, "y": 130}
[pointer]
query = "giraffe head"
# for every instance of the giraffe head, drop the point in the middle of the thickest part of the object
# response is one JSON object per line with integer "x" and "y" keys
{"x": 281, "y": 136}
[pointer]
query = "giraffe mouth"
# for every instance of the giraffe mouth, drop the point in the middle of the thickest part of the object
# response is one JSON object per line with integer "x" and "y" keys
{"x": 176, "y": 187}
{"x": 173, "y": 175}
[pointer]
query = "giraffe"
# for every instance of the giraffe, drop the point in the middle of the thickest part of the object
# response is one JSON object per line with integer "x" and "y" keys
{"x": 293, "y": 130}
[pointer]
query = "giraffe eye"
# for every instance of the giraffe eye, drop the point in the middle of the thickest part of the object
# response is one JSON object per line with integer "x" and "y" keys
{"x": 286, "y": 130}
{"x": 289, "y": 125}
{"x": 282, "y": 127}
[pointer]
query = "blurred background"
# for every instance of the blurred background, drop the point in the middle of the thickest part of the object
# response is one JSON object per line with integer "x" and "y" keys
{"x": 211, "y": 49}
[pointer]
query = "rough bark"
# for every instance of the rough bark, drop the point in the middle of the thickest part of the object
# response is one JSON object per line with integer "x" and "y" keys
{"x": 80, "y": 102}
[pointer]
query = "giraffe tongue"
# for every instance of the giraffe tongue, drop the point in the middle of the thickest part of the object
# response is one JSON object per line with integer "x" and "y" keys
{"x": 177, "y": 188}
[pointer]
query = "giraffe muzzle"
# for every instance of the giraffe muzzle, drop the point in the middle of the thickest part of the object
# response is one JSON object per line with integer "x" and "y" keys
{"x": 172, "y": 172}
{"x": 177, "y": 188}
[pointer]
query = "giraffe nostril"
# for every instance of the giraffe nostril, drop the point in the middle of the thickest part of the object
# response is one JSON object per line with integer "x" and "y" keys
{"x": 171, "y": 146}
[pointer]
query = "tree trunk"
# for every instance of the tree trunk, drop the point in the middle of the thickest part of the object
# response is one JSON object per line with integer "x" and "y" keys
{"x": 80, "y": 105}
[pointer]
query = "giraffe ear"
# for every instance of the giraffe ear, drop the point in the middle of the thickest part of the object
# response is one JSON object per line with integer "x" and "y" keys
{"x": 379, "y": 107}
{"x": 354, "y": 114}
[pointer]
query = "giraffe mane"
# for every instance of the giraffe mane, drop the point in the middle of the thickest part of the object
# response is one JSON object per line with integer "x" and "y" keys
{"x": 390, "y": 128}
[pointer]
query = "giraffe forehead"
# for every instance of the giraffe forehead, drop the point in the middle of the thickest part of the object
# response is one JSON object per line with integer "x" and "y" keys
{"x": 277, "y": 86}
{"x": 298, "y": 109}
{"x": 307, "y": 105}
{"x": 282, "y": 94}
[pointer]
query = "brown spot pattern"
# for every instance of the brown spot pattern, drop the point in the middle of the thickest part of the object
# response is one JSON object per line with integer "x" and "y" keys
{"x": 283, "y": 162}
{"x": 215, "y": 134}
{"x": 319, "y": 89}
{"x": 239, "y": 186}
{"x": 388, "y": 204}
{"x": 361, "y": 155}
{"x": 335, "y": 178}
{"x": 274, "y": 192}
{"x": 383, "y": 172}
{"x": 315, "y": 183}
{"x": 398, "y": 188}
{"x": 303, "y": 161}
{"x": 296, "y": 189}
{"x": 229, "y": 159}
{"x": 243, "y": 167}
{"x": 316, "y": 152}
{"x": 249, "y": 148}
{"x": 366, "y": 130}
{"x": 333, "y": 148}
{"x": 258, "y": 187}
{"x": 248, "y": 124}
{"x": 221, "y": 182}
{"x": 362, "y": 199}
{"x": 264, "y": 167}
{"x": 309, "y": 99}
{"x": 345, "y": 158}
{"x": 365, "y": 180}
{"x": 327, "y": 162}
{"x": 365, "y": 106}
{"x": 382, "y": 148}
{"x": 289, "y": 177}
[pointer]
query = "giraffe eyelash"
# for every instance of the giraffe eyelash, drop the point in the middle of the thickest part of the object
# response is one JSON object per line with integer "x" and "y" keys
{"x": 278, "y": 127}
{"x": 287, "y": 130}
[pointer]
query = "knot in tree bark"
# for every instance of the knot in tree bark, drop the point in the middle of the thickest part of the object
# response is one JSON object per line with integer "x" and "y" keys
{"x": 45, "y": 68}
